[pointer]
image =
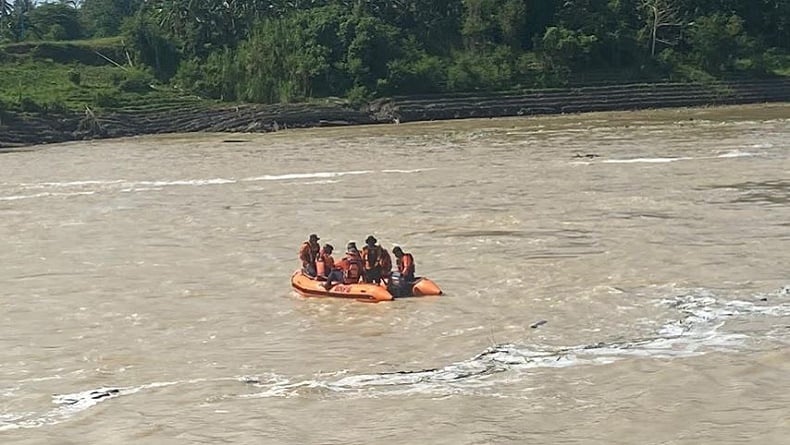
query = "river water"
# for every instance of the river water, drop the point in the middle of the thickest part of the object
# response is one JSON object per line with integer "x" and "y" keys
{"x": 610, "y": 278}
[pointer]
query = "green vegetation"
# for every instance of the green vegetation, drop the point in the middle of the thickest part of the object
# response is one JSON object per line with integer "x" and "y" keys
{"x": 71, "y": 55}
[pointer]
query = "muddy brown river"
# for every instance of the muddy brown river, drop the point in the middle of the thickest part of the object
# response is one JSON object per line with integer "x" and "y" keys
{"x": 610, "y": 278}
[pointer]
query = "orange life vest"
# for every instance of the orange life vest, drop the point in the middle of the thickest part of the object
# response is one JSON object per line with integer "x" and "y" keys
{"x": 352, "y": 269}
{"x": 370, "y": 257}
{"x": 324, "y": 265}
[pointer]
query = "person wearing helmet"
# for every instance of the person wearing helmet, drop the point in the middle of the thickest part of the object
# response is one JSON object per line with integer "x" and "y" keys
{"x": 406, "y": 270}
{"x": 308, "y": 254}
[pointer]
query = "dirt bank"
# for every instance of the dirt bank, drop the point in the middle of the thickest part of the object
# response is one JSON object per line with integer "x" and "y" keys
{"x": 31, "y": 129}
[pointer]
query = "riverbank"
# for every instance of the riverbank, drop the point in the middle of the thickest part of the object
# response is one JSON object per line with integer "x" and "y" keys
{"x": 23, "y": 129}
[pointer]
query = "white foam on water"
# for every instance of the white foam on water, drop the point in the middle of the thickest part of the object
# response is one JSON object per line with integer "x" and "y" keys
{"x": 69, "y": 405}
{"x": 188, "y": 182}
{"x": 646, "y": 160}
{"x": 323, "y": 181}
{"x": 736, "y": 154}
{"x": 126, "y": 186}
{"x": 416, "y": 170}
{"x": 728, "y": 155}
{"x": 698, "y": 329}
{"x": 76, "y": 183}
{"x": 290, "y": 176}
{"x": 43, "y": 195}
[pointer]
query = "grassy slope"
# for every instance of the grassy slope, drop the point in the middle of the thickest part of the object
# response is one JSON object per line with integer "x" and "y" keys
{"x": 40, "y": 75}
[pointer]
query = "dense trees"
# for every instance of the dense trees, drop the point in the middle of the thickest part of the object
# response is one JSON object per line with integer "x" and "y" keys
{"x": 286, "y": 50}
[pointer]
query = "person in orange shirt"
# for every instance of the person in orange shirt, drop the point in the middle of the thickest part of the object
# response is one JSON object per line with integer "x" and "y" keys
{"x": 308, "y": 254}
{"x": 406, "y": 270}
{"x": 334, "y": 274}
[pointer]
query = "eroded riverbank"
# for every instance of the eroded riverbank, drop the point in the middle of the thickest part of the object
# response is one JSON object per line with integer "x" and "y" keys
{"x": 31, "y": 129}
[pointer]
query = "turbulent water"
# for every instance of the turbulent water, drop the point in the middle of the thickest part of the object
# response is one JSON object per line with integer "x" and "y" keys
{"x": 610, "y": 278}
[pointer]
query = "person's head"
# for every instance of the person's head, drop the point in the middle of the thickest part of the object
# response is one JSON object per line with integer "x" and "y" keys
{"x": 328, "y": 248}
{"x": 314, "y": 238}
{"x": 397, "y": 251}
{"x": 371, "y": 240}
{"x": 351, "y": 247}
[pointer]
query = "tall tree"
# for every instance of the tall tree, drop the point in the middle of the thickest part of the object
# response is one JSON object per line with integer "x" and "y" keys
{"x": 57, "y": 21}
{"x": 660, "y": 14}
{"x": 104, "y": 17}
{"x": 18, "y": 22}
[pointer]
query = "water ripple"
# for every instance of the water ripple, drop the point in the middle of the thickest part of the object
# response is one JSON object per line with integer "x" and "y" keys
{"x": 696, "y": 331}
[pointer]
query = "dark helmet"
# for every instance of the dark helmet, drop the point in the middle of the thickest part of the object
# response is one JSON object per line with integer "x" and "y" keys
{"x": 370, "y": 240}
{"x": 314, "y": 237}
{"x": 351, "y": 246}
{"x": 328, "y": 248}
{"x": 397, "y": 251}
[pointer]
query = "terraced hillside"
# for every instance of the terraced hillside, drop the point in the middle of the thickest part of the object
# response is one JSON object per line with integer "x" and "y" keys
{"x": 602, "y": 98}
{"x": 178, "y": 115}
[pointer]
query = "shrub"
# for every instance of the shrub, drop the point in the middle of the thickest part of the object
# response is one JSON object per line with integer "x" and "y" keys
{"x": 28, "y": 105}
{"x": 106, "y": 98}
{"x": 473, "y": 70}
{"x": 75, "y": 76}
{"x": 55, "y": 106}
{"x": 424, "y": 74}
{"x": 137, "y": 81}
{"x": 358, "y": 95}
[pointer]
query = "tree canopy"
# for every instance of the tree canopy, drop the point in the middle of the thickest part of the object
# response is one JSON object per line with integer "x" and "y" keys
{"x": 287, "y": 50}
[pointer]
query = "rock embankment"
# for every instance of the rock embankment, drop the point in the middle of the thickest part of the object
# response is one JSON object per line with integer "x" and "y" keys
{"x": 604, "y": 98}
{"x": 29, "y": 129}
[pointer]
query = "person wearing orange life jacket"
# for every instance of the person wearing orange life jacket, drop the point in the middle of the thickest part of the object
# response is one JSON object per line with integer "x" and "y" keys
{"x": 351, "y": 249}
{"x": 324, "y": 259}
{"x": 351, "y": 265}
{"x": 308, "y": 254}
{"x": 326, "y": 264}
{"x": 406, "y": 270}
{"x": 371, "y": 254}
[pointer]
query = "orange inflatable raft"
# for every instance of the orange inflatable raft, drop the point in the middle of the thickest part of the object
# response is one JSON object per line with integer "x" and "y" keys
{"x": 309, "y": 287}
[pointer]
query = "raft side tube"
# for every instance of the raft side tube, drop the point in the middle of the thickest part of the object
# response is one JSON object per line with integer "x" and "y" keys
{"x": 309, "y": 287}
{"x": 425, "y": 287}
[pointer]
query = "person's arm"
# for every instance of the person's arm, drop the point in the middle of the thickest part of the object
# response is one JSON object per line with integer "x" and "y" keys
{"x": 304, "y": 253}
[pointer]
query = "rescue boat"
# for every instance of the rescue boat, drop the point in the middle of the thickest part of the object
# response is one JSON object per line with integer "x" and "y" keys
{"x": 309, "y": 287}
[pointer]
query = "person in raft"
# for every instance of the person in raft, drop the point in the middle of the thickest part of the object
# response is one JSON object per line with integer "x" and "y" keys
{"x": 351, "y": 264}
{"x": 308, "y": 254}
{"x": 385, "y": 266}
{"x": 406, "y": 269}
{"x": 327, "y": 268}
{"x": 371, "y": 256}
{"x": 352, "y": 251}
